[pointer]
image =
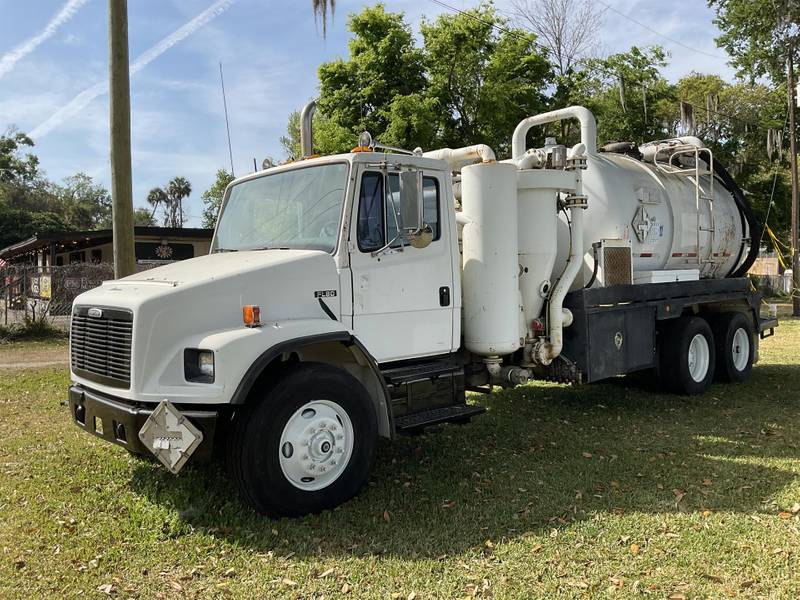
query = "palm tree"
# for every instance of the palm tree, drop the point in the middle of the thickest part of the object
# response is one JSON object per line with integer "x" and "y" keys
{"x": 320, "y": 8}
{"x": 155, "y": 198}
{"x": 178, "y": 189}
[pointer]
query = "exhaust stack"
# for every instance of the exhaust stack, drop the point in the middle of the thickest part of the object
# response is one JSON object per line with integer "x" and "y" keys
{"x": 306, "y": 129}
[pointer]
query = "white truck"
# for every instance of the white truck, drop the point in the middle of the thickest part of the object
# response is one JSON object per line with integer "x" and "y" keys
{"x": 357, "y": 296}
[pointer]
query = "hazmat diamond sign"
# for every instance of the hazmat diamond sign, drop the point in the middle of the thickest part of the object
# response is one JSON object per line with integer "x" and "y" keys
{"x": 170, "y": 436}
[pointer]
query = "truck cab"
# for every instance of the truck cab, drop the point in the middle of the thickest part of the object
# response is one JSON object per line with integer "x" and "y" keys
{"x": 347, "y": 264}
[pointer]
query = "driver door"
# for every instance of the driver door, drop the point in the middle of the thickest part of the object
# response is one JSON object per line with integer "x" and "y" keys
{"x": 402, "y": 296}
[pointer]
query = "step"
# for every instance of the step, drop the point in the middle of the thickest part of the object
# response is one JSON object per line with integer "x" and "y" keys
{"x": 434, "y": 416}
{"x": 420, "y": 372}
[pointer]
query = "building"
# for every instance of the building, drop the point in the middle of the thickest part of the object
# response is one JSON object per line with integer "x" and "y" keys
{"x": 154, "y": 246}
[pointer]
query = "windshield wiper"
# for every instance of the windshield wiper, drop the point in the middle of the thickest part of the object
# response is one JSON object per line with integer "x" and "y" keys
{"x": 225, "y": 250}
{"x": 270, "y": 248}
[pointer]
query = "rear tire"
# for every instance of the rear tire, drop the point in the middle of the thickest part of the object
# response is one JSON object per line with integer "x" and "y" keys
{"x": 304, "y": 444}
{"x": 686, "y": 356}
{"x": 735, "y": 347}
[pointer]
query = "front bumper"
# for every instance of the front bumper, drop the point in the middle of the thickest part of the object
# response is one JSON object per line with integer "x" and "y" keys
{"x": 119, "y": 421}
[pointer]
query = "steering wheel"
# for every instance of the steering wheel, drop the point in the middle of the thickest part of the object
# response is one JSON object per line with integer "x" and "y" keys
{"x": 329, "y": 230}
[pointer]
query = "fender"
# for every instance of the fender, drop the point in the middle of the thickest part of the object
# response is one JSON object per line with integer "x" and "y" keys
{"x": 383, "y": 405}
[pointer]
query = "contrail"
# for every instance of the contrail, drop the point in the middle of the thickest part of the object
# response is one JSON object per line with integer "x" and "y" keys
{"x": 98, "y": 89}
{"x": 8, "y": 61}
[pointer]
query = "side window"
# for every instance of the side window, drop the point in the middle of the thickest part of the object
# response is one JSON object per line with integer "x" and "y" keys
{"x": 377, "y": 223}
{"x": 370, "y": 213}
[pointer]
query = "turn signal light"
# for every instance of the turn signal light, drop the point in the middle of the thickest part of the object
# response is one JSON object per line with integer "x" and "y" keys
{"x": 251, "y": 315}
{"x": 537, "y": 325}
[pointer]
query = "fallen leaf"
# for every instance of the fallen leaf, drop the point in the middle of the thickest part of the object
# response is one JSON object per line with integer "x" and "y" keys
{"x": 677, "y": 596}
{"x": 785, "y": 515}
{"x": 412, "y": 596}
{"x": 747, "y": 584}
{"x": 795, "y": 508}
{"x": 587, "y": 455}
{"x": 327, "y": 573}
{"x": 230, "y": 572}
{"x": 635, "y": 548}
{"x": 288, "y": 582}
{"x": 345, "y": 588}
{"x": 536, "y": 548}
{"x": 386, "y": 516}
{"x": 713, "y": 578}
{"x": 679, "y": 494}
{"x": 617, "y": 581}
{"x": 106, "y": 588}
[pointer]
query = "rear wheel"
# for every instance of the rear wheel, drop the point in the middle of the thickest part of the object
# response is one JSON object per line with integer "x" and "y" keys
{"x": 733, "y": 337}
{"x": 686, "y": 355}
{"x": 306, "y": 444}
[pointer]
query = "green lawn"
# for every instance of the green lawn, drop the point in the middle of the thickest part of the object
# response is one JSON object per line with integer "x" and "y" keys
{"x": 606, "y": 490}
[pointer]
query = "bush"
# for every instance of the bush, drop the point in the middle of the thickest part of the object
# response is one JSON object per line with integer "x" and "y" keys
{"x": 30, "y": 329}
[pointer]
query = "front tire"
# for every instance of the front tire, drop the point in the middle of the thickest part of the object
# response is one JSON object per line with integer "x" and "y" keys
{"x": 304, "y": 444}
{"x": 686, "y": 356}
{"x": 735, "y": 348}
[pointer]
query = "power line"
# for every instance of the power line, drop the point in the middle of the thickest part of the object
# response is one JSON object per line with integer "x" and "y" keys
{"x": 658, "y": 33}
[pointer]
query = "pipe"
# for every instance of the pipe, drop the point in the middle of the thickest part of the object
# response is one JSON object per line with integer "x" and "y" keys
{"x": 463, "y": 156}
{"x": 306, "y": 129}
{"x": 544, "y": 352}
{"x": 584, "y": 115}
{"x": 532, "y": 159}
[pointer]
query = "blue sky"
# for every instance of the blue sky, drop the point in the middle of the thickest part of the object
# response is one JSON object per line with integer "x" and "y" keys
{"x": 270, "y": 50}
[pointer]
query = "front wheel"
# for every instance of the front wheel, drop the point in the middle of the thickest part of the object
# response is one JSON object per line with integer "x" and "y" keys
{"x": 306, "y": 444}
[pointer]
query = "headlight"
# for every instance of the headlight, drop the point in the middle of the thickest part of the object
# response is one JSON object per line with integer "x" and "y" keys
{"x": 198, "y": 365}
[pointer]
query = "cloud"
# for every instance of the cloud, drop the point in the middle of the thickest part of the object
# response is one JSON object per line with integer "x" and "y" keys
{"x": 67, "y": 11}
{"x": 80, "y": 101}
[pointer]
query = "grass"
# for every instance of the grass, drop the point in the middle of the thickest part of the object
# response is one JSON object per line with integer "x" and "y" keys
{"x": 31, "y": 330}
{"x": 608, "y": 490}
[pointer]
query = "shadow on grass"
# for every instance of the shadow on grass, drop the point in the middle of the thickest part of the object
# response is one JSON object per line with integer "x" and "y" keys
{"x": 542, "y": 457}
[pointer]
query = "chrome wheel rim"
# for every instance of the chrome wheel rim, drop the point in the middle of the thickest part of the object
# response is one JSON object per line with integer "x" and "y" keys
{"x": 740, "y": 349}
{"x": 699, "y": 358}
{"x": 316, "y": 445}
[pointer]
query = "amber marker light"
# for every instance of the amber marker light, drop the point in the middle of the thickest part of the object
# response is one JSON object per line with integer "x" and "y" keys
{"x": 251, "y": 315}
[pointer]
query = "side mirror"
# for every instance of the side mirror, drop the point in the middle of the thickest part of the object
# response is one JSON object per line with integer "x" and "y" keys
{"x": 411, "y": 200}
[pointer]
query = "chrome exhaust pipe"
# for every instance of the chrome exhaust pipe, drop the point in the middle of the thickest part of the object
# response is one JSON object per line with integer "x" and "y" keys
{"x": 306, "y": 129}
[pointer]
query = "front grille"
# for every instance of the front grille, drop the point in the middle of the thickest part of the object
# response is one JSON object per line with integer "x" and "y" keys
{"x": 100, "y": 345}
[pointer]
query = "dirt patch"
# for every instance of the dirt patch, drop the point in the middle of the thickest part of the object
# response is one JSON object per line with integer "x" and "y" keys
{"x": 33, "y": 355}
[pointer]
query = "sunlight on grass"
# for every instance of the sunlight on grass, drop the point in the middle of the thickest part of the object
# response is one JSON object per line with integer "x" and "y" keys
{"x": 606, "y": 490}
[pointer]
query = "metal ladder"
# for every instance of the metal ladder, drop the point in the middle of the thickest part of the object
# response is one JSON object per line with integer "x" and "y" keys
{"x": 671, "y": 168}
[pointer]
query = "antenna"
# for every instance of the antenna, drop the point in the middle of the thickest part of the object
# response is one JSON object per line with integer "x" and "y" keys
{"x": 227, "y": 125}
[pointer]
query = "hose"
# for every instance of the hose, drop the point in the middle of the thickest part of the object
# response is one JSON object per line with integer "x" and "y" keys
{"x": 748, "y": 218}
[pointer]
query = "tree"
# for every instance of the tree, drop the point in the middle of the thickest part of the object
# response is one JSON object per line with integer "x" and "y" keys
{"x": 170, "y": 201}
{"x": 212, "y": 198}
{"x": 17, "y": 225}
{"x": 13, "y": 166}
{"x": 83, "y": 203}
{"x": 142, "y": 217}
{"x": 763, "y": 37}
{"x": 568, "y": 28}
{"x": 383, "y": 64}
{"x": 629, "y": 95}
{"x": 484, "y": 76}
{"x": 473, "y": 80}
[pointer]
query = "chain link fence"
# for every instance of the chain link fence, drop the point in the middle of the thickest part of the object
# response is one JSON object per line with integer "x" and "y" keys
{"x": 46, "y": 293}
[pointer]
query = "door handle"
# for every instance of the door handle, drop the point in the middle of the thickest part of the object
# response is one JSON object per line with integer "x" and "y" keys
{"x": 444, "y": 296}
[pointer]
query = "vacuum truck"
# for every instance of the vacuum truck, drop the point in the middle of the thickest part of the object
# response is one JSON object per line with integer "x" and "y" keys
{"x": 359, "y": 296}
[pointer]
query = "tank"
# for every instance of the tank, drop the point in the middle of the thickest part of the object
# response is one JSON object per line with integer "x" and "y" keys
{"x": 659, "y": 213}
{"x": 491, "y": 296}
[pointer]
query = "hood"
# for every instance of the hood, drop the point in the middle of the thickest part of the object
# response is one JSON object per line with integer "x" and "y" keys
{"x": 175, "y": 306}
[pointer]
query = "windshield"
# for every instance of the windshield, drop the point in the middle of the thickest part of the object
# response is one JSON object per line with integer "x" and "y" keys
{"x": 300, "y": 208}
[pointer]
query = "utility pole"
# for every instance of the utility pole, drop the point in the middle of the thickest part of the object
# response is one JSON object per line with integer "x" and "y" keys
{"x": 793, "y": 168}
{"x": 120, "y": 122}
